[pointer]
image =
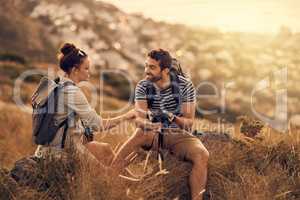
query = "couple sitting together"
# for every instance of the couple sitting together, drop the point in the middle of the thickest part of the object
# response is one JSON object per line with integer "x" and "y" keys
{"x": 164, "y": 114}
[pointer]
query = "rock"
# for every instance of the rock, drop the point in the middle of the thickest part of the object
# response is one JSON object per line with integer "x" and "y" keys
{"x": 8, "y": 185}
{"x": 36, "y": 175}
{"x": 175, "y": 184}
{"x": 27, "y": 173}
{"x": 250, "y": 127}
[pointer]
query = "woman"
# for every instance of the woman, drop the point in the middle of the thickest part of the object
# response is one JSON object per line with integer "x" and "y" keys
{"x": 73, "y": 105}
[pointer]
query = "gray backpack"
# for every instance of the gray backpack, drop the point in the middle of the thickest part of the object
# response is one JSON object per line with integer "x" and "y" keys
{"x": 45, "y": 106}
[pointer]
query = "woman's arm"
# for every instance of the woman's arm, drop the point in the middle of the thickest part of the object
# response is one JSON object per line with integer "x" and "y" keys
{"x": 77, "y": 102}
{"x": 141, "y": 121}
{"x": 112, "y": 122}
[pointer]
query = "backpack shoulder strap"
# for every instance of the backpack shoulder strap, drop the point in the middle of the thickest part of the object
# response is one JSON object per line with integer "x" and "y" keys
{"x": 64, "y": 84}
{"x": 67, "y": 83}
{"x": 65, "y": 123}
{"x": 176, "y": 91}
{"x": 150, "y": 93}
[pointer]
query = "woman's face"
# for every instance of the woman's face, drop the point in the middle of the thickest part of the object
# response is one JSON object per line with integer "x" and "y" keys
{"x": 82, "y": 72}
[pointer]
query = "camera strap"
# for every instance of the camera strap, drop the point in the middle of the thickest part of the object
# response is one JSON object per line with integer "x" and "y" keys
{"x": 160, "y": 144}
{"x": 151, "y": 92}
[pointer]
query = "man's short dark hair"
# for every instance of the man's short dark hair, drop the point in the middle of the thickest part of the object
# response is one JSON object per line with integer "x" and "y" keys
{"x": 162, "y": 56}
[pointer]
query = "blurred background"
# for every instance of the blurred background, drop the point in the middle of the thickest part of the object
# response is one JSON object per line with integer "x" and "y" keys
{"x": 231, "y": 15}
{"x": 228, "y": 48}
{"x": 237, "y": 42}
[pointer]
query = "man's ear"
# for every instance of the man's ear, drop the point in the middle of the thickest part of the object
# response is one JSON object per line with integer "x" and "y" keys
{"x": 166, "y": 70}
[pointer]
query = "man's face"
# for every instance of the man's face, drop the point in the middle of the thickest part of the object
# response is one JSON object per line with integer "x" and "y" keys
{"x": 152, "y": 70}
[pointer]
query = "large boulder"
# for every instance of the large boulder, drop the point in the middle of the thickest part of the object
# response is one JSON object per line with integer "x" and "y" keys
{"x": 52, "y": 175}
{"x": 238, "y": 168}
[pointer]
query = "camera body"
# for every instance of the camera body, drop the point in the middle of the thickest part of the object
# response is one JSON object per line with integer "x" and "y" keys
{"x": 160, "y": 116}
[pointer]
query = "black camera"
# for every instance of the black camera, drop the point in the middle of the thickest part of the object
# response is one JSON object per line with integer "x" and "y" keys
{"x": 88, "y": 133}
{"x": 159, "y": 116}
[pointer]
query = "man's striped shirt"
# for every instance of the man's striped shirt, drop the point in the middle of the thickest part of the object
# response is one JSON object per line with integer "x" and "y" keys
{"x": 165, "y": 99}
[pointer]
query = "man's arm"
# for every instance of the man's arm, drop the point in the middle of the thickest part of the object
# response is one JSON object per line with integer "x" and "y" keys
{"x": 188, "y": 107}
{"x": 188, "y": 115}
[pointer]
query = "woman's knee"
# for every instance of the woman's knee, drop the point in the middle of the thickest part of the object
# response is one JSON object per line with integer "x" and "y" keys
{"x": 90, "y": 145}
{"x": 99, "y": 147}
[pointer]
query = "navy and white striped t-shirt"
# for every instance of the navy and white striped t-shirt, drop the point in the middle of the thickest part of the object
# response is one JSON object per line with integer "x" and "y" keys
{"x": 165, "y": 99}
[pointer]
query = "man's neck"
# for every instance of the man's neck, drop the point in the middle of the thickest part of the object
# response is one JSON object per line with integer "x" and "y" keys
{"x": 164, "y": 82}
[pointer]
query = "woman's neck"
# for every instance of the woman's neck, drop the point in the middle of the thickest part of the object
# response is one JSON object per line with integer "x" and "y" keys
{"x": 72, "y": 77}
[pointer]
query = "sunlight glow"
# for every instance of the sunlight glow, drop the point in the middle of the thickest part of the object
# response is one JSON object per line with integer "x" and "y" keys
{"x": 227, "y": 15}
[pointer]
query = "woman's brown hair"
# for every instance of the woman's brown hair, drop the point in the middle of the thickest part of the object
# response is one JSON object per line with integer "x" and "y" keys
{"x": 70, "y": 56}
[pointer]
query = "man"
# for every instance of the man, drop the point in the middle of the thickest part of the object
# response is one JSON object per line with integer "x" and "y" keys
{"x": 180, "y": 108}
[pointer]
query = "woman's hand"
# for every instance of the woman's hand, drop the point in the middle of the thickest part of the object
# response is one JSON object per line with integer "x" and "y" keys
{"x": 112, "y": 122}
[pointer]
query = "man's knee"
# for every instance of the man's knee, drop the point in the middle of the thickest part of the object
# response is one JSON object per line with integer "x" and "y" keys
{"x": 138, "y": 132}
{"x": 139, "y": 139}
{"x": 200, "y": 156}
{"x": 141, "y": 135}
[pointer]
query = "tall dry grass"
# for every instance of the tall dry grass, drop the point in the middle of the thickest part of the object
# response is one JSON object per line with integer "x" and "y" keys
{"x": 266, "y": 166}
{"x": 15, "y": 138}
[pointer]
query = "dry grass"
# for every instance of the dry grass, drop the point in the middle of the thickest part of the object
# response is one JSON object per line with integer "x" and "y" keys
{"x": 264, "y": 167}
{"x": 15, "y": 138}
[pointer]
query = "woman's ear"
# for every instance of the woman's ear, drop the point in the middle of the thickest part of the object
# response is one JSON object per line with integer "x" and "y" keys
{"x": 74, "y": 70}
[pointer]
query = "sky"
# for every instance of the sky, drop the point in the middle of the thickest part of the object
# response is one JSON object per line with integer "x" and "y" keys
{"x": 227, "y": 15}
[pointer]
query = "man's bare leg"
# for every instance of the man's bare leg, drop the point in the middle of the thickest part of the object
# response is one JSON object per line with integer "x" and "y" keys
{"x": 198, "y": 176}
{"x": 131, "y": 146}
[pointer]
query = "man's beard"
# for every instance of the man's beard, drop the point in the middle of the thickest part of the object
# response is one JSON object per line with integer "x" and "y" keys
{"x": 153, "y": 78}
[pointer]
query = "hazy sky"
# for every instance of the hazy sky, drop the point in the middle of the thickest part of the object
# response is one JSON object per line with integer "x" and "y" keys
{"x": 228, "y": 15}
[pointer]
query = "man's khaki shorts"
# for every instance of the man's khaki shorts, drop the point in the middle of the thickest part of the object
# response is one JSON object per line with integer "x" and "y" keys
{"x": 180, "y": 143}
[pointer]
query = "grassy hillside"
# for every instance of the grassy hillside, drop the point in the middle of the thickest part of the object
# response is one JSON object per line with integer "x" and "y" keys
{"x": 248, "y": 159}
{"x": 266, "y": 167}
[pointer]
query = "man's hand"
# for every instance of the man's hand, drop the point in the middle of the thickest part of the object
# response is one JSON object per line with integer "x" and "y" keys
{"x": 170, "y": 115}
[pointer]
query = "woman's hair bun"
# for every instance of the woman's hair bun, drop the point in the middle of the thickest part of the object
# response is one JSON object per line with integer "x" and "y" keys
{"x": 67, "y": 48}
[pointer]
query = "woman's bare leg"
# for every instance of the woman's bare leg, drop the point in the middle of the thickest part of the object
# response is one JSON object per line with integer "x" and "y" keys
{"x": 102, "y": 151}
